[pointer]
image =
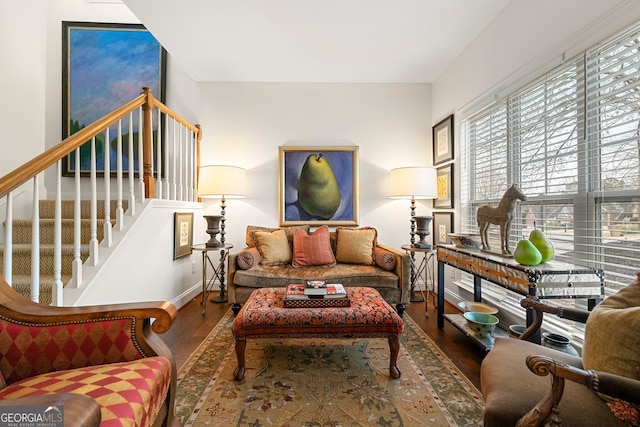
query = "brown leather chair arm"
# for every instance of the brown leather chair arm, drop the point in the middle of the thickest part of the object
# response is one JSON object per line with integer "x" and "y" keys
{"x": 15, "y": 306}
{"x": 78, "y": 410}
{"x": 574, "y": 314}
{"x": 612, "y": 385}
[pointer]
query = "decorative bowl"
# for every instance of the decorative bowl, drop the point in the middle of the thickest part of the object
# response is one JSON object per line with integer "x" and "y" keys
{"x": 516, "y": 330}
{"x": 481, "y": 323}
{"x": 477, "y": 307}
{"x": 465, "y": 240}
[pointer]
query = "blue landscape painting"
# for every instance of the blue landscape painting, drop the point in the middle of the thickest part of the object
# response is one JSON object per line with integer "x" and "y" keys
{"x": 108, "y": 65}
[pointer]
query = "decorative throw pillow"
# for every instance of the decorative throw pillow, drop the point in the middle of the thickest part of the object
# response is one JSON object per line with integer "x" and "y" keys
{"x": 355, "y": 245}
{"x": 247, "y": 258}
{"x": 273, "y": 246}
{"x": 384, "y": 259}
{"x": 611, "y": 341}
{"x": 312, "y": 249}
{"x": 250, "y": 234}
{"x": 289, "y": 231}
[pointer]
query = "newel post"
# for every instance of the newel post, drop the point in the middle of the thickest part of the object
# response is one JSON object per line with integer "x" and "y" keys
{"x": 147, "y": 149}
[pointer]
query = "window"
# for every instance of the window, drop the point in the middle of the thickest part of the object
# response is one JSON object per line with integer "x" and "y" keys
{"x": 571, "y": 140}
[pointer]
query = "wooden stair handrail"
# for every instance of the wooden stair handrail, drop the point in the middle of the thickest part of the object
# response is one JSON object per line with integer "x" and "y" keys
{"x": 33, "y": 167}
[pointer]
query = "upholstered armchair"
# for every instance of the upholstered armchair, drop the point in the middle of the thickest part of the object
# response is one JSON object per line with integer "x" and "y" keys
{"x": 101, "y": 364}
{"x": 526, "y": 384}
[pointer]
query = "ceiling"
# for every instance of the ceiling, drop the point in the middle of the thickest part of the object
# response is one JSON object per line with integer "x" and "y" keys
{"x": 381, "y": 41}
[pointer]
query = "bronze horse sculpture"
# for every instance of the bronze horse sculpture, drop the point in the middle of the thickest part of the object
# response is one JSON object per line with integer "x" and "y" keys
{"x": 500, "y": 215}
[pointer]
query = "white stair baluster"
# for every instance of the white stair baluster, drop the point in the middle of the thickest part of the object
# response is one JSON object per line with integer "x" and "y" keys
{"x": 93, "y": 240}
{"x": 131, "y": 211}
{"x": 158, "y": 163}
{"x": 76, "y": 281}
{"x": 174, "y": 156}
{"x": 35, "y": 243}
{"x": 141, "y": 156}
{"x": 57, "y": 292}
{"x": 8, "y": 240}
{"x": 119, "y": 183}
{"x": 180, "y": 164}
{"x": 108, "y": 228}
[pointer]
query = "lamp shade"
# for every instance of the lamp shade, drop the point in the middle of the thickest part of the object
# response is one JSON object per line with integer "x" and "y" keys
{"x": 219, "y": 181}
{"x": 414, "y": 182}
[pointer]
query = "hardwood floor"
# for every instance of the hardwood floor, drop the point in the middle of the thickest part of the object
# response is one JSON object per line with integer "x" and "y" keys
{"x": 191, "y": 327}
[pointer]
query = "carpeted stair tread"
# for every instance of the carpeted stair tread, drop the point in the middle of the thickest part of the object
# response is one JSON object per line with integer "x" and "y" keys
{"x": 22, "y": 259}
{"x": 22, "y": 236}
{"x": 22, "y": 230}
{"x": 67, "y": 207}
{"x": 22, "y": 285}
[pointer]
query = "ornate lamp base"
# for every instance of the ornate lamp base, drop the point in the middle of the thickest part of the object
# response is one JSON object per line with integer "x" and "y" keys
{"x": 213, "y": 228}
{"x": 422, "y": 226}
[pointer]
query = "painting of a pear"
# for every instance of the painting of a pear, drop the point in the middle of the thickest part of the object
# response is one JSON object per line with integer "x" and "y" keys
{"x": 318, "y": 185}
{"x": 318, "y": 192}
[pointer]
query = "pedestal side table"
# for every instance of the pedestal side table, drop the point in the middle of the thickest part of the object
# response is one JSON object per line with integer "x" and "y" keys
{"x": 424, "y": 268}
{"x": 218, "y": 272}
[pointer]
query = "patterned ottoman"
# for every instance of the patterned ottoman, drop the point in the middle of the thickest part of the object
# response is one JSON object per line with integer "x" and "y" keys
{"x": 264, "y": 316}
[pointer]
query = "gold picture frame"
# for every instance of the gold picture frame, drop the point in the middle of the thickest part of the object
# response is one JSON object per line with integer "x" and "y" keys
{"x": 182, "y": 234}
{"x": 342, "y": 163}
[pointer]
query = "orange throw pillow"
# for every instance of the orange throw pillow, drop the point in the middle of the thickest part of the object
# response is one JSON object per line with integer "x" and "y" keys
{"x": 312, "y": 249}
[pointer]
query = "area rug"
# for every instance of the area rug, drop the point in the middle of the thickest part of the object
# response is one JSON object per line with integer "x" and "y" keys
{"x": 324, "y": 382}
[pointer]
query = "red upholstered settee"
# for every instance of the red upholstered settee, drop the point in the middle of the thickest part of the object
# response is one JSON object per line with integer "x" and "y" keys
{"x": 103, "y": 365}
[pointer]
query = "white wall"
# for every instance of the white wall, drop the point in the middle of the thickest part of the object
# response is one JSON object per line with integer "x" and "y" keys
{"x": 245, "y": 123}
{"x": 23, "y": 50}
{"x": 141, "y": 267}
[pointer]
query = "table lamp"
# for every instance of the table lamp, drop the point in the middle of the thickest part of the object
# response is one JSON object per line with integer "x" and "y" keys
{"x": 220, "y": 182}
{"x": 415, "y": 183}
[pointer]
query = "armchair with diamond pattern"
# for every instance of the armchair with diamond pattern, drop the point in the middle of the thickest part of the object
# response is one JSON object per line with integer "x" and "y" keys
{"x": 104, "y": 365}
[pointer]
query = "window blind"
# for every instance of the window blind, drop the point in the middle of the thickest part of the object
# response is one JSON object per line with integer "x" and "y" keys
{"x": 571, "y": 140}
{"x": 613, "y": 152}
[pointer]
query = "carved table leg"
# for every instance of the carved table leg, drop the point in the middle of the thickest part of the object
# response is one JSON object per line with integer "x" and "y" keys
{"x": 241, "y": 344}
{"x": 394, "y": 347}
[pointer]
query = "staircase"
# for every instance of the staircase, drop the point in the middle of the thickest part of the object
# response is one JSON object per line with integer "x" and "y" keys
{"x": 167, "y": 170}
{"x": 22, "y": 238}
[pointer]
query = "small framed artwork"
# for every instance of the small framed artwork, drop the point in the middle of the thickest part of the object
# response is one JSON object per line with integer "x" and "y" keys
{"x": 442, "y": 226}
{"x": 183, "y": 234}
{"x": 442, "y": 135}
{"x": 444, "y": 180}
{"x": 318, "y": 186}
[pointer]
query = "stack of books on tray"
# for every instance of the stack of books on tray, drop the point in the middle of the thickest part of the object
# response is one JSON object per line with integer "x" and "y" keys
{"x": 315, "y": 293}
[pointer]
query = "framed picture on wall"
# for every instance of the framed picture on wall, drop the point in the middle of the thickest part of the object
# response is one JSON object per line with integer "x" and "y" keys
{"x": 442, "y": 135}
{"x": 182, "y": 234}
{"x": 105, "y": 66}
{"x": 444, "y": 180}
{"x": 442, "y": 226}
{"x": 318, "y": 186}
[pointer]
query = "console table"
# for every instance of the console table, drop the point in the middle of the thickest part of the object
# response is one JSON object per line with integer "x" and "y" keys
{"x": 553, "y": 279}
